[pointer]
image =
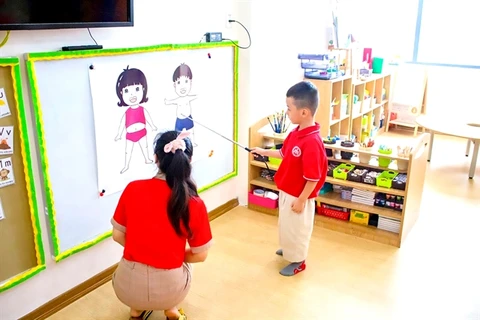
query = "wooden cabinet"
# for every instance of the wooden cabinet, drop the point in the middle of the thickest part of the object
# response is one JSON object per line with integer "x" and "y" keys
{"x": 260, "y": 134}
{"x": 349, "y": 106}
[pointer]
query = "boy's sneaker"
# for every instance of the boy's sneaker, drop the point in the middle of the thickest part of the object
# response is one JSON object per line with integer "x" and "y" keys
{"x": 293, "y": 268}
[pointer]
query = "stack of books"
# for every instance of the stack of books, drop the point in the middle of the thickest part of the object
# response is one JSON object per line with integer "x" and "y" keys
{"x": 389, "y": 224}
{"x": 363, "y": 196}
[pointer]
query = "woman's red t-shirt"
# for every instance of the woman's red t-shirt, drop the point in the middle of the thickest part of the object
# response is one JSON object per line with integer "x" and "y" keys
{"x": 149, "y": 237}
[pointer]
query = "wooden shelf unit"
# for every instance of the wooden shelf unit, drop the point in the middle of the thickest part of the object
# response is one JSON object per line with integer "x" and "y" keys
{"x": 347, "y": 121}
{"x": 332, "y": 119}
{"x": 412, "y": 194}
{"x": 367, "y": 117}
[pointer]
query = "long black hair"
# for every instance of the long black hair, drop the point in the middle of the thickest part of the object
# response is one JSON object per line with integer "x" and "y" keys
{"x": 177, "y": 169}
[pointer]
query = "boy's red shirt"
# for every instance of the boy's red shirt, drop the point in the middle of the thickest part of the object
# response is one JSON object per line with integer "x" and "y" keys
{"x": 304, "y": 159}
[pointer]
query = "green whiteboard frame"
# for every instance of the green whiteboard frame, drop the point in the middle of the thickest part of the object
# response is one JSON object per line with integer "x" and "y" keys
{"x": 14, "y": 64}
{"x": 31, "y": 58}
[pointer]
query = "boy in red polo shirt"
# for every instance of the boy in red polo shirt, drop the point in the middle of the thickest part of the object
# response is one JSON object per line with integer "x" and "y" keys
{"x": 300, "y": 176}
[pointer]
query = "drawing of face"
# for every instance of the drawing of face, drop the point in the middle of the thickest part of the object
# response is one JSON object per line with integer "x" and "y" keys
{"x": 132, "y": 95}
{"x": 183, "y": 85}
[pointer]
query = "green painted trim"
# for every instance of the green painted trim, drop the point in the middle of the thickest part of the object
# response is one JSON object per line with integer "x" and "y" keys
{"x": 60, "y": 55}
{"x": 8, "y": 61}
{"x": 236, "y": 117}
{"x": 21, "y": 278}
{"x": 82, "y": 246}
{"x": 43, "y": 156}
{"x": 14, "y": 64}
{"x": 234, "y": 173}
{"x": 22, "y": 120}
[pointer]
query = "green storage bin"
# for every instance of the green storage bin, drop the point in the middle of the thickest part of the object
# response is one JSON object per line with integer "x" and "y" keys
{"x": 341, "y": 172}
{"x": 385, "y": 179}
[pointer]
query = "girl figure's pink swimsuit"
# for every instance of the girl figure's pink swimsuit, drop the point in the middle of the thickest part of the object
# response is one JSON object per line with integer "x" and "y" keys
{"x": 132, "y": 116}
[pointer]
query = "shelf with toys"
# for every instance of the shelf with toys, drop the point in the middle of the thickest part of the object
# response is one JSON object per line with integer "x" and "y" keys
{"x": 370, "y": 106}
{"x": 349, "y": 105}
{"x": 372, "y": 191}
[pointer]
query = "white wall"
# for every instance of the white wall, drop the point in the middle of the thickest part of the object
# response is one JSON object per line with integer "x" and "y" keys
{"x": 156, "y": 22}
{"x": 281, "y": 33}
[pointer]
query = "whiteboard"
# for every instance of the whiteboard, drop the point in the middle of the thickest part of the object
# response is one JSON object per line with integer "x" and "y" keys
{"x": 76, "y": 106}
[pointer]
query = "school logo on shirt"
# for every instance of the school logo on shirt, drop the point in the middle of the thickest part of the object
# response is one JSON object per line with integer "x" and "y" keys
{"x": 296, "y": 152}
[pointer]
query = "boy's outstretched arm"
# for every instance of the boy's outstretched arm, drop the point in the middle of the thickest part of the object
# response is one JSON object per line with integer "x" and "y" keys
{"x": 169, "y": 102}
{"x": 267, "y": 152}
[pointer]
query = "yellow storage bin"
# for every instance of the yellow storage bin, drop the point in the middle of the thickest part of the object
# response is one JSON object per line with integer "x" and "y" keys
{"x": 359, "y": 217}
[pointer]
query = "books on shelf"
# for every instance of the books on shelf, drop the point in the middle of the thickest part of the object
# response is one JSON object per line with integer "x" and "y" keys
{"x": 363, "y": 196}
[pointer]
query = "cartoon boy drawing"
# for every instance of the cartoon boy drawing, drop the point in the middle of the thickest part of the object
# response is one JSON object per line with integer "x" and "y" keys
{"x": 132, "y": 91}
{"x": 182, "y": 82}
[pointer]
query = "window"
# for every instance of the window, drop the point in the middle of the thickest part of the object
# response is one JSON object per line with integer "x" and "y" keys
{"x": 386, "y": 26}
{"x": 419, "y": 31}
{"x": 447, "y": 33}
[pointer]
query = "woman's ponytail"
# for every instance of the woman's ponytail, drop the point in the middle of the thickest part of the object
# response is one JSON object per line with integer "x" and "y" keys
{"x": 177, "y": 169}
{"x": 178, "y": 176}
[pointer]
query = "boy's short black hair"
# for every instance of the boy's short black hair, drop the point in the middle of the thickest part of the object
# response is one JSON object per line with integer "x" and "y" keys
{"x": 305, "y": 95}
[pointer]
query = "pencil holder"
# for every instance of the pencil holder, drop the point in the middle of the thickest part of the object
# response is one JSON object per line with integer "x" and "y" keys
{"x": 402, "y": 164}
{"x": 364, "y": 157}
{"x": 403, "y": 152}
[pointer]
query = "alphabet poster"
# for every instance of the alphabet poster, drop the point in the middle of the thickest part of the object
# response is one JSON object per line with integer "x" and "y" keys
{"x": 6, "y": 172}
{"x": 4, "y": 108}
{"x": 136, "y": 100}
{"x": 6, "y": 140}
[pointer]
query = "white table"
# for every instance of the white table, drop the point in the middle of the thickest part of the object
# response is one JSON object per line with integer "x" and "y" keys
{"x": 457, "y": 128}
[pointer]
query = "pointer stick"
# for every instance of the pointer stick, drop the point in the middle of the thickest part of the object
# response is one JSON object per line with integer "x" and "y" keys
{"x": 238, "y": 144}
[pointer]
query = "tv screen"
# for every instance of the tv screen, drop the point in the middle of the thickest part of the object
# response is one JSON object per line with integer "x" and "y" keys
{"x": 58, "y": 14}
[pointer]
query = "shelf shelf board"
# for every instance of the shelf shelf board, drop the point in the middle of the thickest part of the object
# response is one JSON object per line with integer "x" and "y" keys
{"x": 346, "y": 183}
{"x": 264, "y": 183}
{"x": 355, "y": 149}
{"x": 358, "y": 230}
{"x": 261, "y": 164}
{"x": 375, "y": 106}
{"x": 372, "y": 164}
{"x": 365, "y": 186}
{"x": 371, "y": 78}
{"x": 335, "y": 199}
{"x": 335, "y": 121}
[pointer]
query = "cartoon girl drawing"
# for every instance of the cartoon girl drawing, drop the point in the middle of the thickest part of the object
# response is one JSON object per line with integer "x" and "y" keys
{"x": 132, "y": 91}
{"x": 182, "y": 82}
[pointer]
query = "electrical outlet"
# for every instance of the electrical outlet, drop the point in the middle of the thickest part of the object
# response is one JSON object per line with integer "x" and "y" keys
{"x": 228, "y": 24}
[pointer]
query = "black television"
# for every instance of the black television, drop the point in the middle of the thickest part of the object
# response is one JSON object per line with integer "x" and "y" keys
{"x": 62, "y": 14}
